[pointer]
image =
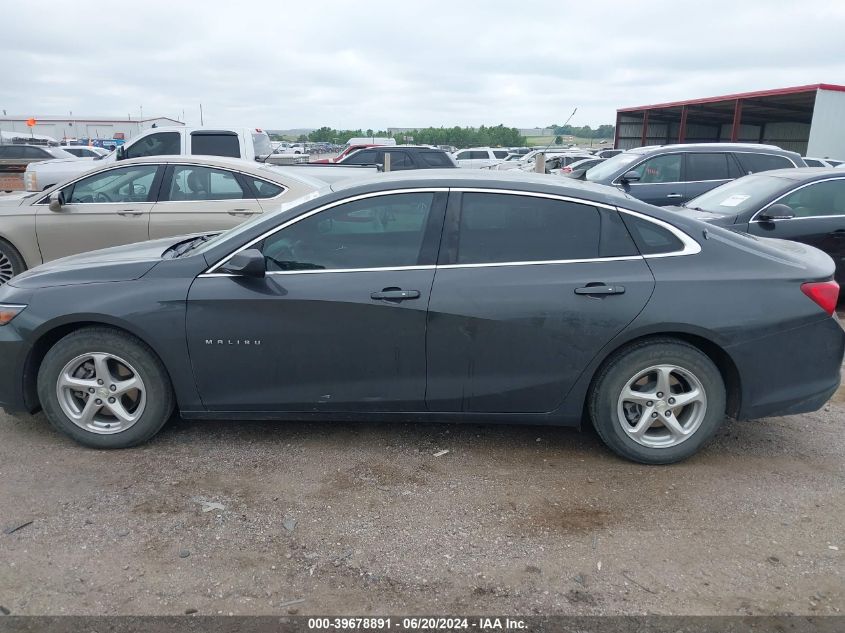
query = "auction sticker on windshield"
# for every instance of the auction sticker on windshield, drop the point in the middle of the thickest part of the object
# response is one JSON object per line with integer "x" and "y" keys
{"x": 734, "y": 200}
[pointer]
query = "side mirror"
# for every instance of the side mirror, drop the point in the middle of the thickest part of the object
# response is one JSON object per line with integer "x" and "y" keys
{"x": 121, "y": 153}
{"x": 631, "y": 176}
{"x": 57, "y": 202}
{"x": 248, "y": 263}
{"x": 776, "y": 212}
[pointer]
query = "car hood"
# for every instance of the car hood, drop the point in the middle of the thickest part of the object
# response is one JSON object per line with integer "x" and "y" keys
{"x": 704, "y": 216}
{"x": 14, "y": 200}
{"x": 119, "y": 263}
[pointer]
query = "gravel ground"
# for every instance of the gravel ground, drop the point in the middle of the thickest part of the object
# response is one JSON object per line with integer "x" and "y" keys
{"x": 269, "y": 518}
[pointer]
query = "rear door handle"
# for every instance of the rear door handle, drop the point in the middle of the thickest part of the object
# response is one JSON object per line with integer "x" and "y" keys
{"x": 129, "y": 213}
{"x": 600, "y": 289}
{"x": 395, "y": 294}
{"x": 242, "y": 212}
{"x": 675, "y": 195}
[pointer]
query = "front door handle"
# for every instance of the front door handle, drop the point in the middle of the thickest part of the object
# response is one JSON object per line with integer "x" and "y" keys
{"x": 600, "y": 289}
{"x": 675, "y": 195}
{"x": 395, "y": 294}
{"x": 242, "y": 212}
{"x": 129, "y": 213}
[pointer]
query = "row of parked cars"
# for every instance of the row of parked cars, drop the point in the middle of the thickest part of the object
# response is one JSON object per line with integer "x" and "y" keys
{"x": 441, "y": 293}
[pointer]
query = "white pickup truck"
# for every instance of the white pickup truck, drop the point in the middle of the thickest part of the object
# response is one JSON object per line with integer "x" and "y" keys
{"x": 248, "y": 143}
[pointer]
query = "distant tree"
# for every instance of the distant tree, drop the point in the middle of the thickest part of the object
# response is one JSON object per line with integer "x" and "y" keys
{"x": 558, "y": 139}
{"x": 302, "y": 138}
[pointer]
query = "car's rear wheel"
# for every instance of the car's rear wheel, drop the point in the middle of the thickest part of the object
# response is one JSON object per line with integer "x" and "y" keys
{"x": 11, "y": 262}
{"x": 658, "y": 401}
{"x": 105, "y": 388}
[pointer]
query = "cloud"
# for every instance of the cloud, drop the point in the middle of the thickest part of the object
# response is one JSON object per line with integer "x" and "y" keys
{"x": 381, "y": 63}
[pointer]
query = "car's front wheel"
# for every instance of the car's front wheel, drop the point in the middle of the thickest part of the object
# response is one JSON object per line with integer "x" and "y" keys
{"x": 11, "y": 262}
{"x": 105, "y": 388}
{"x": 657, "y": 402}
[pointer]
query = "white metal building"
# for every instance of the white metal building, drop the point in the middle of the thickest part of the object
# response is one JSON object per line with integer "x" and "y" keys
{"x": 64, "y": 127}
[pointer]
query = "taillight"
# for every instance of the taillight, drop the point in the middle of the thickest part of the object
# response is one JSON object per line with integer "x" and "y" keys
{"x": 824, "y": 293}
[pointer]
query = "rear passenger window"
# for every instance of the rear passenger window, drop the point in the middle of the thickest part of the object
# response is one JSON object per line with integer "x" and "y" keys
{"x": 707, "y": 166}
{"x": 215, "y": 145}
{"x": 191, "y": 182}
{"x": 435, "y": 159}
{"x": 651, "y": 239}
{"x": 513, "y": 228}
{"x": 479, "y": 155}
{"x": 752, "y": 163}
{"x": 400, "y": 160}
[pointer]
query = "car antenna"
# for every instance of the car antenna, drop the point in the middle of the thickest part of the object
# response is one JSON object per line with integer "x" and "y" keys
{"x": 564, "y": 125}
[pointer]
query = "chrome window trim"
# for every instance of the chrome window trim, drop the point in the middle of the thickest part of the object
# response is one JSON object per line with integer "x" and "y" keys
{"x": 691, "y": 246}
{"x": 616, "y": 181}
{"x": 117, "y": 165}
{"x": 331, "y": 205}
{"x": 789, "y": 193}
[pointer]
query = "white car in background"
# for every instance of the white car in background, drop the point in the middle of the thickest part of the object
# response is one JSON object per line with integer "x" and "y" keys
{"x": 86, "y": 151}
{"x": 248, "y": 143}
{"x": 480, "y": 157}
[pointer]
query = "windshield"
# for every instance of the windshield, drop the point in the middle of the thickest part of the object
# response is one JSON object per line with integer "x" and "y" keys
{"x": 609, "y": 167}
{"x": 246, "y": 226}
{"x": 738, "y": 196}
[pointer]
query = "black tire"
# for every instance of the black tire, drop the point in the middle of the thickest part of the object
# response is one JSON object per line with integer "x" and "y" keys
{"x": 627, "y": 363}
{"x": 9, "y": 253}
{"x": 160, "y": 400}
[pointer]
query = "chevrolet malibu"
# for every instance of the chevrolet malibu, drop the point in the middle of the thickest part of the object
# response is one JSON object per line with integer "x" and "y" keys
{"x": 468, "y": 296}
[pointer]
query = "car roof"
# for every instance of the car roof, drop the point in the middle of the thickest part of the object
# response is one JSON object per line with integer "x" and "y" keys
{"x": 478, "y": 178}
{"x": 715, "y": 147}
{"x": 802, "y": 174}
{"x": 255, "y": 168}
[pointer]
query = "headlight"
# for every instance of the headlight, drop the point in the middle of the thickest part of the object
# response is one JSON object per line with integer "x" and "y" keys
{"x": 9, "y": 311}
{"x": 30, "y": 181}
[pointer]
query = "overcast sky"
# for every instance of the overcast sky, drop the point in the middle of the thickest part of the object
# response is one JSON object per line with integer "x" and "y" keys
{"x": 410, "y": 63}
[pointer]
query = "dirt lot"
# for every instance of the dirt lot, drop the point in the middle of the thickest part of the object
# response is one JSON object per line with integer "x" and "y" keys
{"x": 364, "y": 518}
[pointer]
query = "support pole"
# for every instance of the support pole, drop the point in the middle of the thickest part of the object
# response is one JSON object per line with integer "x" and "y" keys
{"x": 682, "y": 129}
{"x": 645, "y": 129}
{"x": 737, "y": 121}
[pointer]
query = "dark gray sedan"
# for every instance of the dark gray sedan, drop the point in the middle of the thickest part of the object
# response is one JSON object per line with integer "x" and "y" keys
{"x": 439, "y": 295}
{"x": 805, "y": 205}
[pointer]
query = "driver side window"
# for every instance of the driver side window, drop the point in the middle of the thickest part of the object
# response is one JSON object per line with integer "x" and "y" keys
{"x": 124, "y": 184}
{"x": 380, "y": 232}
{"x": 665, "y": 168}
{"x": 823, "y": 198}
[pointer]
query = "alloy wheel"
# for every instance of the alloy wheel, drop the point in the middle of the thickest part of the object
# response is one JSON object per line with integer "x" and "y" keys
{"x": 662, "y": 406}
{"x": 101, "y": 393}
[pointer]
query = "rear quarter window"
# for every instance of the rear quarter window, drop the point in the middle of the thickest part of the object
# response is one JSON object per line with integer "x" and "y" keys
{"x": 752, "y": 163}
{"x": 650, "y": 238}
{"x": 435, "y": 159}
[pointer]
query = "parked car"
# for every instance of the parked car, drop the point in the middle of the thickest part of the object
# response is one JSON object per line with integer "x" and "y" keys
{"x": 672, "y": 174}
{"x": 608, "y": 153}
{"x": 14, "y": 160}
{"x": 432, "y": 296}
{"x": 136, "y": 200}
{"x": 805, "y": 205}
{"x": 526, "y": 161}
{"x": 248, "y": 143}
{"x": 578, "y": 169}
{"x": 478, "y": 157}
{"x": 85, "y": 151}
{"x": 401, "y": 157}
{"x": 556, "y": 162}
